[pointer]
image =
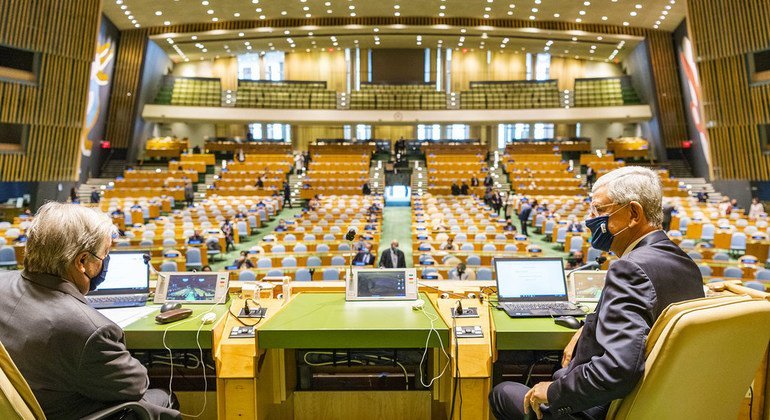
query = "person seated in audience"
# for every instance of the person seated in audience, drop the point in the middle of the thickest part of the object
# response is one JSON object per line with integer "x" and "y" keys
{"x": 366, "y": 189}
{"x": 260, "y": 183}
{"x": 240, "y": 215}
{"x": 509, "y": 226}
{"x": 370, "y": 226}
{"x": 313, "y": 204}
{"x": 74, "y": 358}
{"x": 196, "y": 236}
{"x": 464, "y": 189}
{"x": 488, "y": 180}
{"x": 136, "y": 206}
{"x": 724, "y": 206}
{"x": 281, "y": 226}
{"x": 574, "y": 260}
{"x": 449, "y": 245}
{"x": 243, "y": 261}
{"x": 364, "y": 255}
{"x": 22, "y": 238}
{"x": 206, "y": 268}
{"x": 460, "y": 273}
{"x": 438, "y": 225}
{"x": 734, "y": 205}
{"x": 360, "y": 244}
{"x": 228, "y": 231}
{"x": 474, "y": 181}
{"x": 95, "y": 196}
{"x": 702, "y": 197}
{"x": 117, "y": 212}
{"x": 756, "y": 208}
{"x": 574, "y": 225}
{"x": 455, "y": 189}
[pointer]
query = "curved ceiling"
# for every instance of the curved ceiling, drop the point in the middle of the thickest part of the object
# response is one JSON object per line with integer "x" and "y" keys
{"x": 651, "y": 14}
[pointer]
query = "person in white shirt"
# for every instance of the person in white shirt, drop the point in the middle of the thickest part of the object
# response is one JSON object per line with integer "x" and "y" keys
{"x": 756, "y": 209}
{"x": 449, "y": 245}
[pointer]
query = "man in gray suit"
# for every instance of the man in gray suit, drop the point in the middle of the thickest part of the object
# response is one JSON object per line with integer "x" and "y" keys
{"x": 74, "y": 358}
{"x": 605, "y": 359}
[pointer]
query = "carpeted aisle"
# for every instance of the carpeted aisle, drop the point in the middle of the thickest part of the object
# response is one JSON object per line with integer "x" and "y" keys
{"x": 397, "y": 224}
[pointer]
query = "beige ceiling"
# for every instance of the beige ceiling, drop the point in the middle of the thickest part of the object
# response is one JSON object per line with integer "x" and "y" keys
{"x": 664, "y": 14}
{"x": 215, "y": 44}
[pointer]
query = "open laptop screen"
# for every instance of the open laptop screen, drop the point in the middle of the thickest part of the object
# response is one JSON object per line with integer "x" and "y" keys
{"x": 127, "y": 273}
{"x": 530, "y": 279}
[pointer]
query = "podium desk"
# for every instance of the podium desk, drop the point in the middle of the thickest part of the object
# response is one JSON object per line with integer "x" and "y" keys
{"x": 326, "y": 320}
{"x": 527, "y": 333}
{"x": 146, "y": 334}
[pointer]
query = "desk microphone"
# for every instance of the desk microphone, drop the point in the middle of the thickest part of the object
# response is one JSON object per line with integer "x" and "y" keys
{"x": 351, "y": 234}
{"x": 593, "y": 265}
{"x": 147, "y": 258}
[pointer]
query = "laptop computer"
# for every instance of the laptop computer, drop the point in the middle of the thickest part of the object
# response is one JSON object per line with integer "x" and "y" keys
{"x": 127, "y": 283}
{"x": 533, "y": 287}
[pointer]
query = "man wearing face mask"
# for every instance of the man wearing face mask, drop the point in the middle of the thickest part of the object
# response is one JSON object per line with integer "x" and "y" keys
{"x": 605, "y": 359}
{"x": 74, "y": 358}
{"x": 392, "y": 257}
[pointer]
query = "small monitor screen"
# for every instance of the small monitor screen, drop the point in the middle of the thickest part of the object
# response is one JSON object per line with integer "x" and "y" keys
{"x": 536, "y": 278}
{"x": 126, "y": 273}
{"x": 192, "y": 287}
{"x": 381, "y": 283}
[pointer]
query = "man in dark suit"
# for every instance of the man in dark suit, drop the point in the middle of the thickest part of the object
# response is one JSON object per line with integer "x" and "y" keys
{"x": 392, "y": 257}
{"x": 364, "y": 255}
{"x": 489, "y": 181}
{"x": 74, "y": 358}
{"x": 605, "y": 359}
{"x": 526, "y": 210}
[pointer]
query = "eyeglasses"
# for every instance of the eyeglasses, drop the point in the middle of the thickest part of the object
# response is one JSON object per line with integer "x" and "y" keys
{"x": 593, "y": 210}
{"x": 97, "y": 257}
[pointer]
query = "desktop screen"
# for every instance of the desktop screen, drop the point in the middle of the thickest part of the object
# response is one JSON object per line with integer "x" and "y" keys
{"x": 126, "y": 273}
{"x": 192, "y": 287}
{"x": 531, "y": 279}
{"x": 381, "y": 283}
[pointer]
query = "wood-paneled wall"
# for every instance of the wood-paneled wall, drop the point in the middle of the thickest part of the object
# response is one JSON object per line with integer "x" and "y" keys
{"x": 722, "y": 33}
{"x": 64, "y": 34}
{"x": 125, "y": 87}
{"x": 318, "y": 65}
{"x": 660, "y": 46}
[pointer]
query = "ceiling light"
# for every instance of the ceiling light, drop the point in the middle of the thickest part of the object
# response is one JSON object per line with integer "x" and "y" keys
{"x": 556, "y": 15}
{"x": 262, "y": 17}
{"x": 328, "y": 3}
{"x": 167, "y": 23}
{"x": 240, "y": 34}
{"x": 283, "y": 12}
{"x": 210, "y": 11}
{"x": 582, "y": 13}
{"x": 639, "y": 6}
{"x": 204, "y": 50}
{"x": 441, "y": 14}
{"x": 123, "y": 7}
{"x": 462, "y": 30}
{"x": 130, "y": 17}
{"x": 487, "y": 9}
{"x": 329, "y": 11}
{"x": 578, "y": 20}
{"x": 442, "y": 7}
{"x": 307, "y": 15}
{"x": 397, "y": 14}
{"x": 118, "y": 1}
{"x": 510, "y": 13}
{"x": 574, "y": 38}
{"x": 534, "y": 10}
{"x": 604, "y": 17}
{"x": 351, "y": 7}
{"x": 127, "y": 12}
{"x": 626, "y": 23}
{"x": 205, "y": 3}
{"x": 352, "y": 14}
{"x": 236, "y": 15}
{"x": 158, "y": 13}
{"x": 633, "y": 13}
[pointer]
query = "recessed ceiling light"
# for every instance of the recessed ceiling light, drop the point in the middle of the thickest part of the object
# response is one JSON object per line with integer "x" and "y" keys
{"x": 574, "y": 38}
{"x": 639, "y": 6}
{"x": 441, "y": 14}
{"x": 328, "y": 3}
{"x": 352, "y": 14}
{"x": 376, "y": 29}
{"x": 205, "y": 3}
{"x": 123, "y": 7}
{"x": 626, "y": 23}
{"x": 397, "y": 14}
{"x": 351, "y": 7}
{"x": 307, "y": 15}
{"x": 488, "y": 9}
{"x": 240, "y": 34}
{"x": 633, "y": 13}
{"x": 486, "y": 16}
{"x": 582, "y": 13}
{"x": 262, "y": 17}
{"x": 532, "y": 18}
{"x": 118, "y": 1}
{"x": 210, "y": 11}
{"x": 329, "y": 11}
{"x": 510, "y": 13}
{"x": 236, "y": 14}
{"x": 556, "y": 15}
{"x": 306, "y": 8}
{"x": 167, "y": 23}
{"x": 158, "y": 13}
{"x": 284, "y": 12}
{"x": 586, "y": 3}
{"x": 578, "y": 20}
{"x": 604, "y": 17}
{"x": 534, "y": 10}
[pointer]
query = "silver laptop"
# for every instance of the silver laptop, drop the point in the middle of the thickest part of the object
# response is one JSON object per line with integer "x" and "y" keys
{"x": 127, "y": 283}
{"x": 533, "y": 287}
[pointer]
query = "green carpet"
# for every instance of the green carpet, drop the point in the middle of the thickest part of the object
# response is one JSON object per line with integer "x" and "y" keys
{"x": 267, "y": 228}
{"x": 397, "y": 224}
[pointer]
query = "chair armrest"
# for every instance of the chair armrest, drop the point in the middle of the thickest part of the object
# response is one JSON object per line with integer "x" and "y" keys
{"x": 133, "y": 406}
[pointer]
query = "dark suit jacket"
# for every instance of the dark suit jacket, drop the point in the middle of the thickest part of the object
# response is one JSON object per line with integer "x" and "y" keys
{"x": 364, "y": 257}
{"x": 385, "y": 261}
{"x": 73, "y": 357}
{"x": 608, "y": 360}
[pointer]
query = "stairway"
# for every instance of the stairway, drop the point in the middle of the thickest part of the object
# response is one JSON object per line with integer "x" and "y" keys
{"x": 84, "y": 190}
{"x": 377, "y": 177}
{"x": 419, "y": 181}
{"x": 113, "y": 168}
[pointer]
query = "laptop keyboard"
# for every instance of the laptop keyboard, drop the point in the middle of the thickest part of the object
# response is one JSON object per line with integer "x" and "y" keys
{"x": 116, "y": 300}
{"x": 523, "y": 307}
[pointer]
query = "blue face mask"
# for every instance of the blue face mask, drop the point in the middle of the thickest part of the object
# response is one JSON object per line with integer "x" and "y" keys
{"x": 601, "y": 237}
{"x": 99, "y": 278}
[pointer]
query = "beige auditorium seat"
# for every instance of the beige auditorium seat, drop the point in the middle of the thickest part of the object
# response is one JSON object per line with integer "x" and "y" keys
{"x": 701, "y": 358}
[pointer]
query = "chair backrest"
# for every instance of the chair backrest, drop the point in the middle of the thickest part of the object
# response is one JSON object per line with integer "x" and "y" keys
{"x": 276, "y": 272}
{"x": 720, "y": 256}
{"x": 466, "y": 247}
{"x": 16, "y": 398}
{"x": 762, "y": 274}
{"x": 168, "y": 266}
{"x": 338, "y": 260}
{"x": 313, "y": 261}
{"x": 484, "y": 274}
{"x": 193, "y": 255}
{"x": 247, "y": 275}
{"x": 331, "y": 274}
{"x": 289, "y": 262}
{"x": 576, "y": 244}
{"x": 705, "y": 270}
{"x": 489, "y": 247}
{"x": 322, "y": 248}
{"x": 264, "y": 262}
{"x": 695, "y": 255}
{"x": 290, "y": 237}
{"x": 7, "y": 254}
{"x": 303, "y": 274}
{"x": 473, "y": 260}
{"x": 343, "y": 247}
{"x": 677, "y": 360}
{"x": 733, "y": 272}
{"x": 755, "y": 285}
{"x": 510, "y": 248}
{"x": 278, "y": 248}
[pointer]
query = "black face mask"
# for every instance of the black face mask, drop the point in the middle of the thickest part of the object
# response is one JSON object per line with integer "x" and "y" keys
{"x": 101, "y": 276}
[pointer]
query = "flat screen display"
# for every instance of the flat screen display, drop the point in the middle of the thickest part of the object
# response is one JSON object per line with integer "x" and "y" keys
{"x": 381, "y": 284}
{"x": 192, "y": 287}
{"x": 531, "y": 279}
{"x": 127, "y": 273}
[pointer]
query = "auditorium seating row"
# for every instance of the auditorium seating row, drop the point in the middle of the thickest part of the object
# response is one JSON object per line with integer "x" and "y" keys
{"x": 165, "y": 147}
{"x": 612, "y": 91}
{"x": 185, "y": 91}
{"x": 548, "y": 146}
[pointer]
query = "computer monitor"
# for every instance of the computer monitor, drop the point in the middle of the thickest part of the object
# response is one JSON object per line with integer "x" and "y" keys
{"x": 586, "y": 286}
{"x": 192, "y": 287}
{"x": 382, "y": 284}
{"x": 530, "y": 279}
{"x": 127, "y": 274}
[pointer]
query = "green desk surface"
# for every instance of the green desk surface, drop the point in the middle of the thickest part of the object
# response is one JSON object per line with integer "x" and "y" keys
{"x": 146, "y": 334}
{"x": 528, "y": 333}
{"x": 326, "y": 320}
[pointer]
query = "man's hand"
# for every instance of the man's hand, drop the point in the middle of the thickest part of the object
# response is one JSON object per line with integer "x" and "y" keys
{"x": 536, "y": 396}
{"x": 570, "y": 349}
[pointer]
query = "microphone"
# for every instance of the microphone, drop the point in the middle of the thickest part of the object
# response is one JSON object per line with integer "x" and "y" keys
{"x": 147, "y": 258}
{"x": 351, "y": 234}
{"x": 593, "y": 265}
